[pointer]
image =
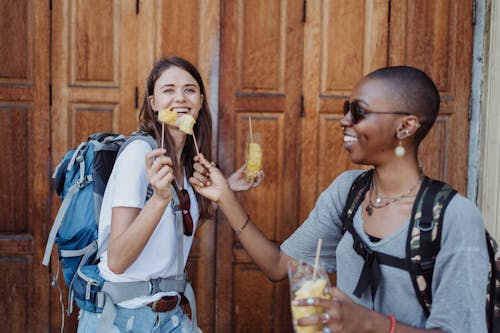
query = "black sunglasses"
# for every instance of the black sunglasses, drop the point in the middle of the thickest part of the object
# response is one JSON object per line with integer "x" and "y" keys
{"x": 185, "y": 205}
{"x": 358, "y": 112}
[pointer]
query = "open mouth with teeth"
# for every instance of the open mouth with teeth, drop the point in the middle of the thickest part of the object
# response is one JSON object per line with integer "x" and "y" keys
{"x": 181, "y": 110}
{"x": 350, "y": 139}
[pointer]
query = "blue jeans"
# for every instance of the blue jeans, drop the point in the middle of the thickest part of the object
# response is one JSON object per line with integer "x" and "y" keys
{"x": 140, "y": 320}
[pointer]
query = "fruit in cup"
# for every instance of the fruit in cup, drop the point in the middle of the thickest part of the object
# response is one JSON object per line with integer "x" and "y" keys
{"x": 310, "y": 288}
{"x": 254, "y": 160}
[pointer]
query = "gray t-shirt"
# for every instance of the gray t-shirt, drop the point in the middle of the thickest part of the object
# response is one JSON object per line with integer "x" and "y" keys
{"x": 460, "y": 273}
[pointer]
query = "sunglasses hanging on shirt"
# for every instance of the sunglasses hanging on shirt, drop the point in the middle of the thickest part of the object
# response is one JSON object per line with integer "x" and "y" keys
{"x": 185, "y": 205}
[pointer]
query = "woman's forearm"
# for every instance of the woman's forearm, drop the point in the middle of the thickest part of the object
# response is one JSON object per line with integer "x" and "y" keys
{"x": 265, "y": 253}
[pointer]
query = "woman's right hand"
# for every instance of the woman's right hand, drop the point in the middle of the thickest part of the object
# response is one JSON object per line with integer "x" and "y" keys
{"x": 159, "y": 170}
{"x": 208, "y": 180}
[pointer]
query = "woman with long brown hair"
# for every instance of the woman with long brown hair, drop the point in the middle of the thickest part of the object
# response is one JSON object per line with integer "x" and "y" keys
{"x": 144, "y": 240}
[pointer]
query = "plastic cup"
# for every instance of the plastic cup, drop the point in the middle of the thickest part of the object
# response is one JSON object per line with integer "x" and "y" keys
{"x": 304, "y": 284}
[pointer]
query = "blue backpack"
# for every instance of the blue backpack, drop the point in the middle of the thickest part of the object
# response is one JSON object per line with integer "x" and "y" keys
{"x": 80, "y": 180}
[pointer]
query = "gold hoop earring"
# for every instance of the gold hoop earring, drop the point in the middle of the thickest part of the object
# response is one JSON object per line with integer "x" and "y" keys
{"x": 400, "y": 151}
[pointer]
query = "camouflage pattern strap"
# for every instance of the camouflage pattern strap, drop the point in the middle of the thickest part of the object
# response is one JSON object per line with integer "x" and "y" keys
{"x": 424, "y": 235}
{"x": 493, "y": 292}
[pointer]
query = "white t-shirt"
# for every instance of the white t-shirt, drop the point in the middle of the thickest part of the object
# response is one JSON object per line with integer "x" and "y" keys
{"x": 127, "y": 187}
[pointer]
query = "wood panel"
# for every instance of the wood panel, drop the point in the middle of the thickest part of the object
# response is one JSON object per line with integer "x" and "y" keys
{"x": 260, "y": 78}
{"x": 93, "y": 69}
{"x": 436, "y": 37}
{"x": 166, "y": 30}
{"x": 343, "y": 41}
{"x": 24, "y": 175}
{"x": 93, "y": 79}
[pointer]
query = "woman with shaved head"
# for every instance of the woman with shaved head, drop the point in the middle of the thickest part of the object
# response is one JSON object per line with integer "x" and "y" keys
{"x": 385, "y": 119}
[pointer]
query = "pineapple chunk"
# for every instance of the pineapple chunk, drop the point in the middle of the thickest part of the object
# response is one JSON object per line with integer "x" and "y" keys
{"x": 186, "y": 123}
{"x": 167, "y": 116}
{"x": 254, "y": 160}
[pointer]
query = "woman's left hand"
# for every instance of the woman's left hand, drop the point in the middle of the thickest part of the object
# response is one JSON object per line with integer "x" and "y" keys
{"x": 340, "y": 313}
{"x": 239, "y": 181}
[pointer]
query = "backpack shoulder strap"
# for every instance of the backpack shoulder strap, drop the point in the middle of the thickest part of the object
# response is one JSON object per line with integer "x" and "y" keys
{"x": 493, "y": 292}
{"x": 424, "y": 236}
{"x": 139, "y": 135}
{"x": 356, "y": 194}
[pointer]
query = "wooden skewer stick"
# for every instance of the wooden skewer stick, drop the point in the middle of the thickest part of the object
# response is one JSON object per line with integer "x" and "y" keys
{"x": 162, "y": 133}
{"x": 251, "y": 131}
{"x": 195, "y": 144}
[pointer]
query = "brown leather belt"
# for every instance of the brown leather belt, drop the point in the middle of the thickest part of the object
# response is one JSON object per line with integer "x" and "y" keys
{"x": 164, "y": 304}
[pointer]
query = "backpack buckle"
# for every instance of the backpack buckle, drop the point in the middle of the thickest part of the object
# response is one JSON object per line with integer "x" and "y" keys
{"x": 425, "y": 223}
{"x": 427, "y": 265}
{"x": 84, "y": 182}
{"x": 154, "y": 286}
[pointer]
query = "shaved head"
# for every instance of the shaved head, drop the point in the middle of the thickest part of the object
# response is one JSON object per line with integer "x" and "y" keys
{"x": 412, "y": 91}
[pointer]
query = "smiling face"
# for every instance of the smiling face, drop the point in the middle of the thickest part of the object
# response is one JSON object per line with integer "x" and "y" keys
{"x": 178, "y": 90}
{"x": 372, "y": 139}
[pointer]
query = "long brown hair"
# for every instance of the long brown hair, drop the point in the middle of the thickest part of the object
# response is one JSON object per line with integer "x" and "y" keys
{"x": 148, "y": 122}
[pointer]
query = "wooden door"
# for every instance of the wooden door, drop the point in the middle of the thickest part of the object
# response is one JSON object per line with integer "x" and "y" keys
{"x": 261, "y": 70}
{"x": 342, "y": 41}
{"x": 24, "y": 160}
{"x": 102, "y": 52}
{"x": 189, "y": 29}
{"x": 93, "y": 86}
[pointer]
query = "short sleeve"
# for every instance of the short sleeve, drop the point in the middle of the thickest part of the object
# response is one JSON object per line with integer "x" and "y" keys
{"x": 130, "y": 180}
{"x": 323, "y": 222}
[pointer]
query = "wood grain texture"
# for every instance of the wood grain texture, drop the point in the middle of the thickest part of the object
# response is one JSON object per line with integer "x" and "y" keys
{"x": 435, "y": 36}
{"x": 261, "y": 66}
{"x": 94, "y": 79}
{"x": 188, "y": 29}
{"x": 24, "y": 176}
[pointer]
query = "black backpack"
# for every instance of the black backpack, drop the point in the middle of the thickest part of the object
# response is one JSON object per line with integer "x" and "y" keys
{"x": 423, "y": 244}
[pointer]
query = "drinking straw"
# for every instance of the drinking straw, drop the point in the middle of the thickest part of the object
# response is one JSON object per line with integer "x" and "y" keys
{"x": 316, "y": 260}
